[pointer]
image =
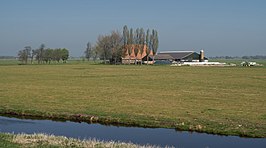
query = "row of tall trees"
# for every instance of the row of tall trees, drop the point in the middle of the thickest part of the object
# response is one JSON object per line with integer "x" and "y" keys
{"x": 109, "y": 48}
{"x": 139, "y": 37}
{"x": 43, "y": 55}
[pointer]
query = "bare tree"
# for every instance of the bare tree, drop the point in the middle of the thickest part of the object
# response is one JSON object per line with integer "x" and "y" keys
{"x": 116, "y": 45}
{"x": 103, "y": 46}
{"x": 110, "y": 47}
{"x": 39, "y": 53}
{"x": 28, "y": 53}
{"x": 33, "y": 53}
{"x": 24, "y": 54}
{"x": 95, "y": 53}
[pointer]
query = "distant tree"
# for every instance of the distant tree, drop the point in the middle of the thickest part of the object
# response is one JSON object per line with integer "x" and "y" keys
{"x": 142, "y": 36}
{"x": 41, "y": 52}
{"x": 37, "y": 55}
{"x": 147, "y": 38}
{"x": 154, "y": 42}
{"x": 141, "y": 41}
{"x": 245, "y": 57}
{"x": 95, "y": 53}
{"x": 47, "y": 55}
{"x": 137, "y": 36}
{"x": 88, "y": 51}
{"x": 64, "y": 55}
{"x": 148, "y": 44}
{"x": 131, "y": 37}
{"x": 116, "y": 46}
{"x": 32, "y": 56}
{"x": 24, "y": 54}
{"x": 104, "y": 48}
{"x": 21, "y": 55}
{"x": 109, "y": 47}
{"x": 57, "y": 55}
{"x": 125, "y": 35}
{"x": 28, "y": 53}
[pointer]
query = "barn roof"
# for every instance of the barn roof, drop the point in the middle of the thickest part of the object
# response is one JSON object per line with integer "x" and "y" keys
{"x": 166, "y": 55}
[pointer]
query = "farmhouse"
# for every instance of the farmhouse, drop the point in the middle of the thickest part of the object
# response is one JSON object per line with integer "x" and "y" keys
{"x": 180, "y": 56}
{"x": 137, "y": 54}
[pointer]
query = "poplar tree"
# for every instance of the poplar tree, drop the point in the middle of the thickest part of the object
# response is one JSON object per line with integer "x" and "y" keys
{"x": 125, "y": 35}
{"x": 131, "y": 36}
{"x": 148, "y": 44}
{"x": 142, "y": 36}
{"x": 88, "y": 51}
{"x": 41, "y": 53}
{"x": 130, "y": 42}
{"x": 148, "y": 38}
{"x": 155, "y": 41}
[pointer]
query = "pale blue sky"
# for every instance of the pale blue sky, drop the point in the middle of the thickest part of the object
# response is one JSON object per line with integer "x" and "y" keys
{"x": 220, "y": 27}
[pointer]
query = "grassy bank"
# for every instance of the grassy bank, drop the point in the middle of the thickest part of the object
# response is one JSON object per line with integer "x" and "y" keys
{"x": 6, "y": 141}
{"x": 221, "y": 100}
{"x": 42, "y": 140}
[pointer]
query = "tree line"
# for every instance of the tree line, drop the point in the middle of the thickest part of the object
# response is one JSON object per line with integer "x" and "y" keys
{"x": 43, "y": 55}
{"x": 238, "y": 57}
{"x": 138, "y": 37}
{"x": 7, "y": 57}
{"x": 111, "y": 47}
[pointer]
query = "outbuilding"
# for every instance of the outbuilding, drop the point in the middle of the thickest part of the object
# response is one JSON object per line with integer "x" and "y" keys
{"x": 180, "y": 56}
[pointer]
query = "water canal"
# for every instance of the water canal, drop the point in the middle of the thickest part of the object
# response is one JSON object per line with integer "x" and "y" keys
{"x": 154, "y": 136}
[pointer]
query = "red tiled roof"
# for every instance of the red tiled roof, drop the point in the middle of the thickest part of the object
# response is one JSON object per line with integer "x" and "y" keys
{"x": 139, "y": 55}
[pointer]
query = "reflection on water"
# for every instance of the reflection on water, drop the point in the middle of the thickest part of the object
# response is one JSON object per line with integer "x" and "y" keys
{"x": 10, "y": 121}
{"x": 157, "y": 136}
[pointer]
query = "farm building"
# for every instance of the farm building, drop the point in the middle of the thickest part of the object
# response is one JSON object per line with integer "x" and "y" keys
{"x": 180, "y": 56}
{"x": 137, "y": 54}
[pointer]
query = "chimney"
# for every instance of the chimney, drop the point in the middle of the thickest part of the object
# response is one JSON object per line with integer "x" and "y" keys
{"x": 201, "y": 56}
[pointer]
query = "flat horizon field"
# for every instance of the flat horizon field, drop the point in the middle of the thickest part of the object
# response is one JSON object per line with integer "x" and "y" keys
{"x": 220, "y": 100}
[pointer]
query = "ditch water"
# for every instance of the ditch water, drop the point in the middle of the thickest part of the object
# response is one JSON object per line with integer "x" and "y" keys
{"x": 137, "y": 135}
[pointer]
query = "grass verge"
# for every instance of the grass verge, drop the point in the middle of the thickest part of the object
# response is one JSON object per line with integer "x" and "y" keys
{"x": 43, "y": 140}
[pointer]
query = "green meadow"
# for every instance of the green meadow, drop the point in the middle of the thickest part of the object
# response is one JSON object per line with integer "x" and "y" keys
{"x": 219, "y": 100}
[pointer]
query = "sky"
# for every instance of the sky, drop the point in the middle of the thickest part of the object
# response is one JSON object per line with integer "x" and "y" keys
{"x": 220, "y": 27}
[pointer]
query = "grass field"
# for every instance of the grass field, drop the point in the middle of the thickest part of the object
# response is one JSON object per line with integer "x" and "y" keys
{"x": 221, "y": 100}
{"x": 5, "y": 62}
